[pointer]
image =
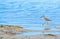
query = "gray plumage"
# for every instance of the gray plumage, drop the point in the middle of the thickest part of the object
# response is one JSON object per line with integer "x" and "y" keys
{"x": 46, "y": 19}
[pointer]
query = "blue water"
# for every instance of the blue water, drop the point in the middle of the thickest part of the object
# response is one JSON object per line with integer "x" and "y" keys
{"x": 28, "y": 12}
{"x": 37, "y": 28}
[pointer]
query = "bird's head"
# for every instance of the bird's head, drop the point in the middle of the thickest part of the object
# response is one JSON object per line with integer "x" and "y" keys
{"x": 42, "y": 16}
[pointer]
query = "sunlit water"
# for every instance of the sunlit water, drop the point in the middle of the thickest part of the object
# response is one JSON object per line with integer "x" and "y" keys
{"x": 26, "y": 12}
{"x": 38, "y": 27}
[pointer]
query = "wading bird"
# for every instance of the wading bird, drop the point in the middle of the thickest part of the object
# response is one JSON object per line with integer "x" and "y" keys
{"x": 46, "y": 19}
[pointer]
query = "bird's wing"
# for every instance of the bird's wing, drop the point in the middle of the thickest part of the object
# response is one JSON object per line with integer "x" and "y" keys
{"x": 47, "y": 19}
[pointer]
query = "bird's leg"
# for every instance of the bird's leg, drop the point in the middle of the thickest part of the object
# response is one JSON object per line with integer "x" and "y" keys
{"x": 47, "y": 23}
{"x": 43, "y": 24}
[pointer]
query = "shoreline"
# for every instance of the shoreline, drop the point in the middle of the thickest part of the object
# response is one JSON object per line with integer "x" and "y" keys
{"x": 40, "y": 36}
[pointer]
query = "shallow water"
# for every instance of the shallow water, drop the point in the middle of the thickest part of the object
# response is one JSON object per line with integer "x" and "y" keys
{"x": 27, "y": 13}
{"x": 37, "y": 27}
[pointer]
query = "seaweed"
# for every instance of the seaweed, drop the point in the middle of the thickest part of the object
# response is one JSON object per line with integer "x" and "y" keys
{"x": 50, "y": 35}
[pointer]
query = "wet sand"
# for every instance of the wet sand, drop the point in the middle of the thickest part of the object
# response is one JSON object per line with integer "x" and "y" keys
{"x": 38, "y": 36}
{"x": 41, "y": 36}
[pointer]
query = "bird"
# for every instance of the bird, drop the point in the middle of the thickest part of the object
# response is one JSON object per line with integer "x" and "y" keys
{"x": 46, "y": 19}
